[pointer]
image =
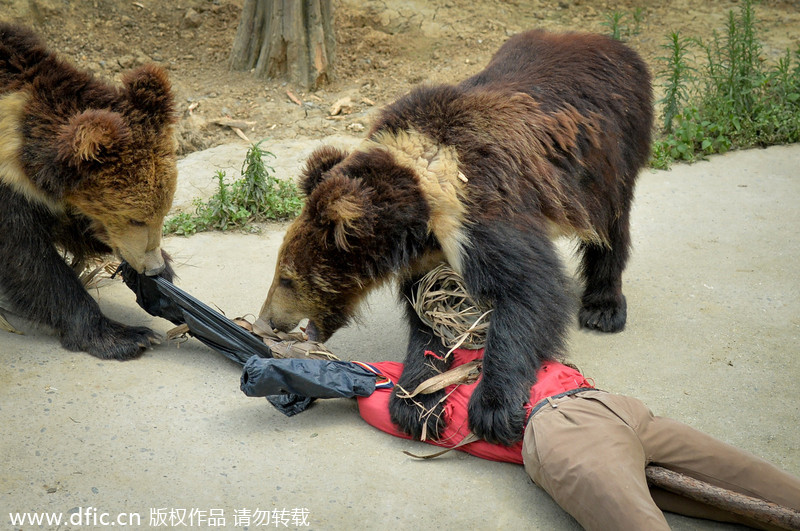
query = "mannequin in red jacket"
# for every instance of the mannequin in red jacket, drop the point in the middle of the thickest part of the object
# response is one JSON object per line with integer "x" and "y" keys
{"x": 589, "y": 448}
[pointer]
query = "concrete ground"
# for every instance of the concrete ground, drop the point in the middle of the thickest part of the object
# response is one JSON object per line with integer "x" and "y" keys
{"x": 712, "y": 339}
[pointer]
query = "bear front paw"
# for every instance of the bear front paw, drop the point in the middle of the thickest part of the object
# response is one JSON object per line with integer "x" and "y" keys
{"x": 607, "y": 316}
{"x": 500, "y": 421}
{"x": 421, "y": 417}
{"x": 112, "y": 340}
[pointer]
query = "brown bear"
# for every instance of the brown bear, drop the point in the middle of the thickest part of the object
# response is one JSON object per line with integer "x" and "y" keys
{"x": 86, "y": 168}
{"x": 546, "y": 140}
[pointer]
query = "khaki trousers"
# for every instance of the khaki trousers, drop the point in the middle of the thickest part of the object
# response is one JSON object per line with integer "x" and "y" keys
{"x": 590, "y": 451}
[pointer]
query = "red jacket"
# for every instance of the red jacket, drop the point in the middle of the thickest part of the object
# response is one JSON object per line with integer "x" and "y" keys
{"x": 553, "y": 378}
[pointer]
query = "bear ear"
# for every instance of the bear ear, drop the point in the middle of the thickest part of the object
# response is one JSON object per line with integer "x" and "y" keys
{"x": 92, "y": 135}
{"x": 344, "y": 207}
{"x": 149, "y": 91}
{"x": 319, "y": 162}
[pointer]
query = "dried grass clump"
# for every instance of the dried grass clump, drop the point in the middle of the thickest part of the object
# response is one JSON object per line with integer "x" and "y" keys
{"x": 96, "y": 272}
{"x": 442, "y": 303}
{"x": 5, "y": 325}
{"x": 287, "y": 344}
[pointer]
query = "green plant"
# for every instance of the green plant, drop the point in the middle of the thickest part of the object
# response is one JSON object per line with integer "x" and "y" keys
{"x": 261, "y": 193}
{"x": 618, "y": 30}
{"x": 779, "y": 119}
{"x": 735, "y": 74}
{"x": 638, "y": 16}
{"x": 691, "y": 138}
{"x": 735, "y": 101}
{"x": 257, "y": 196}
{"x": 677, "y": 75}
{"x": 613, "y": 23}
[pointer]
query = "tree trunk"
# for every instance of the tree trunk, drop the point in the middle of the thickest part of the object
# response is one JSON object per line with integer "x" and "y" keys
{"x": 290, "y": 39}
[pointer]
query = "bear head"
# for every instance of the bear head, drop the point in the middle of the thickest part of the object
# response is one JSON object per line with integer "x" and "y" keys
{"x": 124, "y": 166}
{"x": 354, "y": 231}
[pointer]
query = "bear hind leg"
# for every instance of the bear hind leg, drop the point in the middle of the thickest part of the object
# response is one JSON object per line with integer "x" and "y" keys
{"x": 603, "y": 306}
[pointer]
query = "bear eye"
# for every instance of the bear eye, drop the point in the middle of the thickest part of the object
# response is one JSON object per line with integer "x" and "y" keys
{"x": 136, "y": 223}
{"x": 286, "y": 283}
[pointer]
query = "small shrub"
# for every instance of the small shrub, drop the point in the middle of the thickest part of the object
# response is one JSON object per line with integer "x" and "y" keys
{"x": 256, "y": 197}
{"x": 614, "y": 24}
{"x": 734, "y": 101}
{"x": 618, "y": 30}
{"x": 677, "y": 75}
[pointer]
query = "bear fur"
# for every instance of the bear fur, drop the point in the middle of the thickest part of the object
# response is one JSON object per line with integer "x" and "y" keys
{"x": 546, "y": 140}
{"x": 86, "y": 168}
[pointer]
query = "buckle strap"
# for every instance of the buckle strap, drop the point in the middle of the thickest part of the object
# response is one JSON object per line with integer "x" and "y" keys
{"x": 549, "y": 400}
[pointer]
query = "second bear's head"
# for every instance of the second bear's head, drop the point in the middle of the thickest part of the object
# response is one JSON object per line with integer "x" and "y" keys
{"x": 364, "y": 218}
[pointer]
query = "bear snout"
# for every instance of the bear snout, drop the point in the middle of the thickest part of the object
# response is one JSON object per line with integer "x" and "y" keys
{"x": 151, "y": 263}
{"x": 313, "y": 332}
{"x": 154, "y": 262}
{"x": 268, "y": 320}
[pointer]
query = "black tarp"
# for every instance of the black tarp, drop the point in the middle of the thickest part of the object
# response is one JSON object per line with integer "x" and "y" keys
{"x": 290, "y": 384}
{"x": 161, "y": 298}
{"x": 306, "y": 377}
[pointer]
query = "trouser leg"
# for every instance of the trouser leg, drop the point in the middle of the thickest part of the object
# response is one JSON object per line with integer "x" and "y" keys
{"x": 589, "y": 454}
{"x": 592, "y": 464}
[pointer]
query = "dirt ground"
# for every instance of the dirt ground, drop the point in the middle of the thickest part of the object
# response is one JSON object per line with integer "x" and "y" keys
{"x": 384, "y": 47}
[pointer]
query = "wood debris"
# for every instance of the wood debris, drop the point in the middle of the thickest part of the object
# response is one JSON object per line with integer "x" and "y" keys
{"x": 178, "y": 331}
{"x": 463, "y": 374}
{"x": 341, "y": 106}
{"x": 237, "y": 126}
{"x": 727, "y": 500}
{"x": 294, "y": 98}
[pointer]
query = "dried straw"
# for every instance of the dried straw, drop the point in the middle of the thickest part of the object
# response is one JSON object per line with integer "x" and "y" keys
{"x": 442, "y": 303}
{"x": 287, "y": 344}
{"x": 5, "y": 325}
{"x": 93, "y": 272}
{"x": 96, "y": 272}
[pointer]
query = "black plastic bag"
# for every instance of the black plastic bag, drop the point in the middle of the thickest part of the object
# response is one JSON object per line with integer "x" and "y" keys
{"x": 161, "y": 298}
{"x": 291, "y": 385}
{"x": 311, "y": 377}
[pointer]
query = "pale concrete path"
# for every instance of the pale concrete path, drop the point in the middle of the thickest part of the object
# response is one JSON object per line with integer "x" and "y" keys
{"x": 712, "y": 339}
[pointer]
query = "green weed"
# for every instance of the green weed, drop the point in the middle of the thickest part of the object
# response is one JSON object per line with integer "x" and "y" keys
{"x": 734, "y": 100}
{"x": 677, "y": 76}
{"x": 618, "y": 30}
{"x": 614, "y": 24}
{"x": 256, "y": 197}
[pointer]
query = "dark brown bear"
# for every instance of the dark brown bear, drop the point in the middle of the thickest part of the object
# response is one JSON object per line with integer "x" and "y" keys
{"x": 86, "y": 168}
{"x": 547, "y": 140}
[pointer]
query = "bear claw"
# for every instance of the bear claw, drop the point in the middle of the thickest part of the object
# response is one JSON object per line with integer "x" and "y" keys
{"x": 499, "y": 423}
{"x": 608, "y": 317}
{"x": 113, "y": 340}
